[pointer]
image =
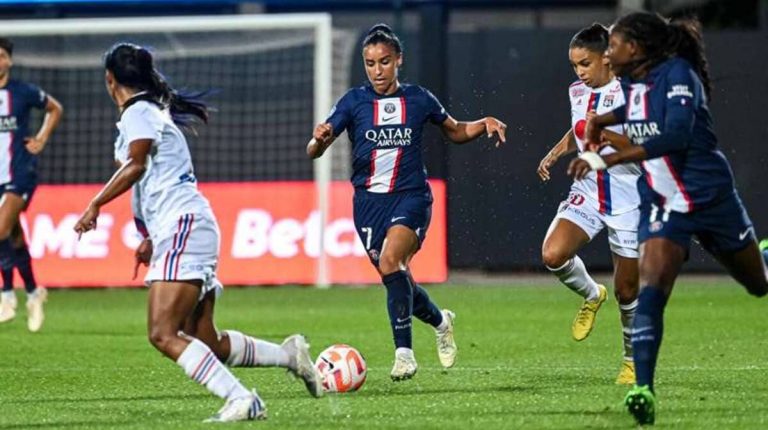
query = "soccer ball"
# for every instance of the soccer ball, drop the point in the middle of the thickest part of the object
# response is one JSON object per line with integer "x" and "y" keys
{"x": 342, "y": 368}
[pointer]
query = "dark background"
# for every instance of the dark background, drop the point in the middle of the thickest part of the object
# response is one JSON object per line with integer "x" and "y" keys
{"x": 508, "y": 59}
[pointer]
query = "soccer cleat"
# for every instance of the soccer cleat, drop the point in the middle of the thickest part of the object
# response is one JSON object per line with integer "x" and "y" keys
{"x": 627, "y": 373}
{"x": 405, "y": 365}
{"x": 8, "y": 305}
{"x": 763, "y": 245}
{"x": 241, "y": 409}
{"x": 446, "y": 345}
{"x": 35, "y": 314}
{"x": 641, "y": 403}
{"x": 585, "y": 318}
{"x": 301, "y": 364}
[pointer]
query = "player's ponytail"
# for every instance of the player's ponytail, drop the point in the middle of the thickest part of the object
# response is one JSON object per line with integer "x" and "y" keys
{"x": 593, "y": 38}
{"x": 686, "y": 42}
{"x": 661, "y": 39}
{"x": 382, "y": 33}
{"x": 133, "y": 66}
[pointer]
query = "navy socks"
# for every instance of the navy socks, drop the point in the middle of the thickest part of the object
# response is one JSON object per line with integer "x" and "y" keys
{"x": 400, "y": 307}
{"x": 647, "y": 332}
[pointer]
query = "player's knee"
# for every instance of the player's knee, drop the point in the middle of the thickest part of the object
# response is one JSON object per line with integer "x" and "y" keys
{"x": 554, "y": 258}
{"x": 161, "y": 338}
{"x": 388, "y": 263}
{"x": 625, "y": 290}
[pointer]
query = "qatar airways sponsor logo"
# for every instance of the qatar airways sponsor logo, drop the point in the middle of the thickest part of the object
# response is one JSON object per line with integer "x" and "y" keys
{"x": 257, "y": 233}
{"x": 388, "y": 137}
{"x": 8, "y": 123}
{"x": 640, "y": 132}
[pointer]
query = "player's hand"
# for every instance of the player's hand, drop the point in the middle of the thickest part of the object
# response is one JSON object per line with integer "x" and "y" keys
{"x": 34, "y": 145}
{"x": 322, "y": 133}
{"x": 87, "y": 221}
{"x": 546, "y": 163}
{"x": 143, "y": 255}
{"x": 592, "y": 132}
{"x": 578, "y": 168}
{"x": 494, "y": 126}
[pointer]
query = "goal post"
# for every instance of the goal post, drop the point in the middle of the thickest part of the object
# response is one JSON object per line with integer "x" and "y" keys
{"x": 260, "y": 63}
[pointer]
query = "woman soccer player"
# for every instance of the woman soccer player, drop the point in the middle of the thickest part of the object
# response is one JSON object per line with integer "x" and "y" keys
{"x": 604, "y": 199}
{"x": 687, "y": 188}
{"x": 181, "y": 243}
{"x": 18, "y": 180}
{"x": 392, "y": 203}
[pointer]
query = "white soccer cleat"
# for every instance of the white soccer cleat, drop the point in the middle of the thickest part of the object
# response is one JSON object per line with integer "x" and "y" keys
{"x": 8, "y": 305}
{"x": 301, "y": 364}
{"x": 405, "y": 365}
{"x": 35, "y": 314}
{"x": 242, "y": 409}
{"x": 446, "y": 345}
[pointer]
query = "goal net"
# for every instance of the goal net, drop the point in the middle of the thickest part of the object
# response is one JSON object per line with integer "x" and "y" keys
{"x": 272, "y": 77}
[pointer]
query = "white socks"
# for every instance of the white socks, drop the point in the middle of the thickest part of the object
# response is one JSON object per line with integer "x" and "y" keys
{"x": 574, "y": 275}
{"x": 246, "y": 351}
{"x": 627, "y": 316}
{"x": 201, "y": 364}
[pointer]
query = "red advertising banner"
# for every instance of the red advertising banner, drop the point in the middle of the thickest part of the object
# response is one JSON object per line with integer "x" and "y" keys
{"x": 269, "y": 236}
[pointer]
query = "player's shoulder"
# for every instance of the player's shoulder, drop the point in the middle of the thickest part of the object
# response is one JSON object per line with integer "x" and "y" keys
{"x": 21, "y": 86}
{"x": 675, "y": 66}
{"x": 415, "y": 91}
{"x": 577, "y": 89}
{"x": 142, "y": 110}
{"x": 353, "y": 96}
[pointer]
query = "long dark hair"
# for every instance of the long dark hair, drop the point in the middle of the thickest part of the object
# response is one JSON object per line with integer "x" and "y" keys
{"x": 661, "y": 39}
{"x": 593, "y": 38}
{"x": 382, "y": 33}
{"x": 133, "y": 66}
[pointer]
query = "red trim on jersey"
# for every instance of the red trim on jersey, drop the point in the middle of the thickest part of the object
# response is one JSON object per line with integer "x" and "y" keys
{"x": 649, "y": 179}
{"x": 402, "y": 110}
{"x": 395, "y": 170}
{"x": 601, "y": 190}
{"x": 372, "y": 169}
{"x": 375, "y": 112}
{"x": 679, "y": 182}
{"x": 591, "y": 102}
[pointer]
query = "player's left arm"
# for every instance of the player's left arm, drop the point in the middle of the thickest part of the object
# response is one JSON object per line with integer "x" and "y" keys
{"x": 53, "y": 113}
{"x": 462, "y": 131}
{"x": 123, "y": 179}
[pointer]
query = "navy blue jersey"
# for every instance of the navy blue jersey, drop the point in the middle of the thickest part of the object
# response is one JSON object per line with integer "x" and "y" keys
{"x": 17, "y": 99}
{"x": 667, "y": 113}
{"x": 386, "y": 133}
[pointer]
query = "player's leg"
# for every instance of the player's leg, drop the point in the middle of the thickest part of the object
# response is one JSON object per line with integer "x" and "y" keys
{"x": 625, "y": 281}
{"x": 170, "y": 305}
{"x": 11, "y": 205}
{"x": 396, "y": 250}
{"x": 568, "y": 233}
{"x": 36, "y": 296}
{"x": 237, "y": 349}
{"x": 622, "y": 237}
{"x": 747, "y": 267}
{"x": 660, "y": 262}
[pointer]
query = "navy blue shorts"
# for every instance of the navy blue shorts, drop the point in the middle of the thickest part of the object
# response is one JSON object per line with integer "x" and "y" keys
{"x": 723, "y": 227}
{"x": 375, "y": 213}
{"x": 23, "y": 187}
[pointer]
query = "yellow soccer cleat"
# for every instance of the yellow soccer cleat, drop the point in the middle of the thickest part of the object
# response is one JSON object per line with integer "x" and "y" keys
{"x": 585, "y": 318}
{"x": 627, "y": 373}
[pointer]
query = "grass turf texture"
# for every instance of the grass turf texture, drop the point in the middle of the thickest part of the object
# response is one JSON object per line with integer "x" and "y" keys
{"x": 92, "y": 367}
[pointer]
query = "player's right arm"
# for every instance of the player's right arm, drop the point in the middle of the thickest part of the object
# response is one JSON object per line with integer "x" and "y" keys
{"x": 338, "y": 121}
{"x": 565, "y": 146}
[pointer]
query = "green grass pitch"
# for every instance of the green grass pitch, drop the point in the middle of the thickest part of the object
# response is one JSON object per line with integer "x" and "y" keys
{"x": 92, "y": 367}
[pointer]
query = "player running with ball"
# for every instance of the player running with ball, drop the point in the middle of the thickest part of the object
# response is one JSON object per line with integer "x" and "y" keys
{"x": 393, "y": 201}
{"x": 181, "y": 244}
{"x": 605, "y": 199}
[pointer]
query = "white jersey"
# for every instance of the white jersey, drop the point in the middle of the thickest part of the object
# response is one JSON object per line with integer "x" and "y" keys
{"x": 168, "y": 188}
{"x": 612, "y": 191}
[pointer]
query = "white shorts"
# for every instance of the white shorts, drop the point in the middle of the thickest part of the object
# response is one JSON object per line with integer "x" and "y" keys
{"x": 185, "y": 251}
{"x": 622, "y": 228}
